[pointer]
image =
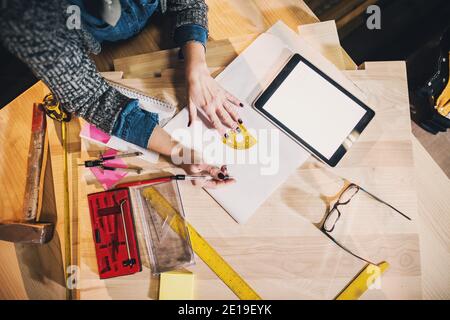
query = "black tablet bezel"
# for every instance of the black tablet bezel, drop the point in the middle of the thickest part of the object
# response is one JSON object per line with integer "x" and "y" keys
{"x": 276, "y": 83}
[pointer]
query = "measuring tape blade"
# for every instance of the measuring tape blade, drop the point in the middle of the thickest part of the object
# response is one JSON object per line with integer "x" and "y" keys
{"x": 363, "y": 281}
{"x": 202, "y": 248}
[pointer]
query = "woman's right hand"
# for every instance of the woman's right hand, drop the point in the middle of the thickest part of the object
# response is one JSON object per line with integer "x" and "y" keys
{"x": 220, "y": 176}
{"x": 161, "y": 142}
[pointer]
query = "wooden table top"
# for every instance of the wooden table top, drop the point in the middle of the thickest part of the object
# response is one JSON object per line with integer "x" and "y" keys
{"x": 282, "y": 256}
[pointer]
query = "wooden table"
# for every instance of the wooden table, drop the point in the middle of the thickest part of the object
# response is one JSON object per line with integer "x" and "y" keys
{"x": 242, "y": 246}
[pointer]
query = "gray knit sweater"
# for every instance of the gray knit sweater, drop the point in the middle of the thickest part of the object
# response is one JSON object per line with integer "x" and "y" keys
{"x": 36, "y": 32}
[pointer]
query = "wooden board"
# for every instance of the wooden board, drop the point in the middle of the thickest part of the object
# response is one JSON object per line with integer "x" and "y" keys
{"x": 236, "y": 17}
{"x": 289, "y": 234}
{"x": 220, "y": 53}
{"x": 433, "y": 206}
{"x": 324, "y": 38}
{"x": 232, "y": 18}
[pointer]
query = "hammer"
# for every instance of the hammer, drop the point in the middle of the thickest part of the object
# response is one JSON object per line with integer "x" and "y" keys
{"x": 28, "y": 229}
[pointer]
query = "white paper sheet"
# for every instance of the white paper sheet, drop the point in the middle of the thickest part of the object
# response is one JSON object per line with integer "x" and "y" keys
{"x": 246, "y": 77}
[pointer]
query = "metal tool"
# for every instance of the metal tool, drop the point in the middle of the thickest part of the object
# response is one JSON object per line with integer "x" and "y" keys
{"x": 28, "y": 229}
{"x": 100, "y": 162}
{"x": 179, "y": 177}
{"x": 130, "y": 262}
{"x": 241, "y": 140}
{"x": 55, "y": 111}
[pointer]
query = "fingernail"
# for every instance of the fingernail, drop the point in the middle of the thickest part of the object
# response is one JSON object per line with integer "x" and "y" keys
{"x": 238, "y": 130}
{"x": 224, "y": 168}
{"x": 226, "y": 135}
{"x": 240, "y": 121}
{"x": 221, "y": 176}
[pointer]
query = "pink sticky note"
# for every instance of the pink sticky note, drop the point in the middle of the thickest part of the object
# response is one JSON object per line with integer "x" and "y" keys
{"x": 94, "y": 133}
{"x": 110, "y": 178}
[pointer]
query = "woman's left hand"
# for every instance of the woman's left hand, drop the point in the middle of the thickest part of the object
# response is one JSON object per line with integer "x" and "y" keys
{"x": 205, "y": 94}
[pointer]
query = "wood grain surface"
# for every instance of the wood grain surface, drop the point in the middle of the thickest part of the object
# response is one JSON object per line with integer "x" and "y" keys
{"x": 279, "y": 252}
{"x": 382, "y": 161}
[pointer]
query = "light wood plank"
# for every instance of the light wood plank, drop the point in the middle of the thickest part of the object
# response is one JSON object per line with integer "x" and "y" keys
{"x": 433, "y": 209}
{"x": 220, "y": 53}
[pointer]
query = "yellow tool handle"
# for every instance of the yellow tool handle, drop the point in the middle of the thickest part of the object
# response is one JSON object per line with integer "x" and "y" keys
{"x": 363, "y": 281}
{"x": 443, "y": 102}
{"x": 202, "y": 248}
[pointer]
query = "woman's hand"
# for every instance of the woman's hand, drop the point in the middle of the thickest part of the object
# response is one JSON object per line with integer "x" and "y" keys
{"x": 205, "y": 94}
{"x": 220, "y": 177}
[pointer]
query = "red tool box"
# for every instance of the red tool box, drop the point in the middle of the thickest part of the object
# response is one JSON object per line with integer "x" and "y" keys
{"x": 114, "y": 233}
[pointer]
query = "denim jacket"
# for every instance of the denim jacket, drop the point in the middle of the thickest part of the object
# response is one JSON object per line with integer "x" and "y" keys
{"x": 36, "y": 31}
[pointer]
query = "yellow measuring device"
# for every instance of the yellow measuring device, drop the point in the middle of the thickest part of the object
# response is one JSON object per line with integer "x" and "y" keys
{"x": 363, "y": 281}
{"x": 240, "y": 141}
{"x": 54, "y": 110}
{"x": 443, "y": 102}
{"x": 201, "y": 247}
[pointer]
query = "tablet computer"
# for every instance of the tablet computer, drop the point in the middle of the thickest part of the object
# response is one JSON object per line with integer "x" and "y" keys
{"x": 314, "y": 110}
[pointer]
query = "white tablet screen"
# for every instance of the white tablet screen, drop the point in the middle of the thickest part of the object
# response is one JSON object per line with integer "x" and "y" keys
{"x": 314, "y": 109}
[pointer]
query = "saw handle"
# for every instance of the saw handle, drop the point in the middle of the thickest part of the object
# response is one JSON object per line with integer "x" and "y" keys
{"x": 32, "y": 202}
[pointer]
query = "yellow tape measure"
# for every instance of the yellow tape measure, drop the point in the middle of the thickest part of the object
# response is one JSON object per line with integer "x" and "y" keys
{"x": 443, "y": 102}
{"x": 54, "y": 110}
{"x": 202, "y": 248}
{"x": 363, "y": 281}
{"x": 240, "y": 141}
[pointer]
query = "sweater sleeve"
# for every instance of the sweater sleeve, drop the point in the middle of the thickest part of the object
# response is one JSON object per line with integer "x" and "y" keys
{"x": 188, "y": 12}
{"x": 36, "y": 32}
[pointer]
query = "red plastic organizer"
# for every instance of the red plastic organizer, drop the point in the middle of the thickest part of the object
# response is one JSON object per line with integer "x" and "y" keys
{"x": 109, "y": 210}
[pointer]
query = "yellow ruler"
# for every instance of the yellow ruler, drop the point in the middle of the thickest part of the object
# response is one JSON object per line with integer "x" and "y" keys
{"x": 54, "y": 110}
{"x": 201, "y": 247}
{"x": 363, "y": 281}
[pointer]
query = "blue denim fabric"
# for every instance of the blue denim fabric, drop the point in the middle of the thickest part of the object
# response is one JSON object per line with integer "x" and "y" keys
{"x": 190, "y": 32}
{"x": 135, "y": 15}
{"x": 135, "y": 125}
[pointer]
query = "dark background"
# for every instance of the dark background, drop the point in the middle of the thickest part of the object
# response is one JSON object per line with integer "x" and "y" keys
{"x": 409, "y": 29}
